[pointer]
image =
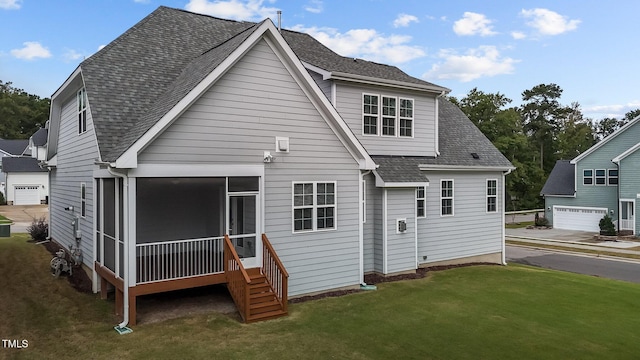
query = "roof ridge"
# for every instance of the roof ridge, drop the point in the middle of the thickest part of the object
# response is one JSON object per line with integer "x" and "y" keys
{"x": 255, "y": 25}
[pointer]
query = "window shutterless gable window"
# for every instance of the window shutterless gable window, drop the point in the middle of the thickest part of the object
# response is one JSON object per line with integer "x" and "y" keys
{"x": 388, "y": 116}
{"x": 83, "y": 199}
{"x": 82, "y": 110}
{"x": 587, "y": 177}
{"x": 370, "y": 114}
{"x": 492, "y": 195}
{"x": 446, "y": 197}
{"x": 421, "y": 198}
{"x": 601, "y": 177}
{"x": 406, "y": 118}
{"x": 612, "y": 177}
{"x": 314, "y": 206}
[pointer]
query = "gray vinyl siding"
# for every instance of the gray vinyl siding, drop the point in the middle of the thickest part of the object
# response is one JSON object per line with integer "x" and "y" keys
{"x": 471, "y": 231}
{"x": 401, "y": 247}
{"x": 629, "y": 183}
{"x": 239, "y": 118}
{"x": 77, "y": 154}
{"x": 373, "y": 200}
{"x": 349, "y": 105}
{"x": 325, "y": 85}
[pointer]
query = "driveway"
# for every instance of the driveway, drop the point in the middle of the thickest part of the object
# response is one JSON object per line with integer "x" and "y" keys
{"x": 551, "y": 234}
{"x": 23, "y": 215}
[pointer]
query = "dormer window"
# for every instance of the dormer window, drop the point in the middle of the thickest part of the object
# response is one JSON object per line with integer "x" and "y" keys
{"x": 82, "y": 111}
{"x": 393, "y": 116}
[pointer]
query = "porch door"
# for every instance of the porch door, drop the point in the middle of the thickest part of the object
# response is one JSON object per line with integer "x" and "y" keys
{"x": 627, "y": 215}
{"x": 242, "y": 227}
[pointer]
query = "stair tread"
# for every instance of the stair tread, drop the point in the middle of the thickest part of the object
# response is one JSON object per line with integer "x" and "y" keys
{"x": 267, "y": 315}
{"x": 254, "y": 306}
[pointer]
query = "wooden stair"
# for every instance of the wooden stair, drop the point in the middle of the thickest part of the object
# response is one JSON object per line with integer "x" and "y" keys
{"x": 263, "y": 302}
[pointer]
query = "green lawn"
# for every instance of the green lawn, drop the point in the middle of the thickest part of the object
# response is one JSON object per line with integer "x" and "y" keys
{"x": 4, "y": 220}
{"x": 480, "y": 312}
{"x": 519, "y": 225}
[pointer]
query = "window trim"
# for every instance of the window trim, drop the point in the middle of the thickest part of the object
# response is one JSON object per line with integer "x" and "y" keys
{"x": 377, "y": 115}
{"x": 81, "y": 99}
{"x": 412, "y": 118}
{"x": 584, "y": 177}
{"x": 447, "y": 198}
{"x": 609, "y": 177}
{"x": 83, "y": 200}
{"x": 603, "y": 177}
{"x": 364, "y": 201}
{"x": 314, "y": 207}
{"x": 424, "y": 201}
{"x": 494, "y": 196}
{"x": 397, "y": 118}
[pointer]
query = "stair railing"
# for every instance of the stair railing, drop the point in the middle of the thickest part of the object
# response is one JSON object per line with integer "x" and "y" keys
{"x": 274, "y": 271}
{"x": 237, "y": 278}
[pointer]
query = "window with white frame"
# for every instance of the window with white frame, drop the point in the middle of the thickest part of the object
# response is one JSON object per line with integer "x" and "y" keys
{"x": 82, "y": 111}
{"x": 314, "y": 206}
{"x": 83, "y": 199}
{"x": 406, "y": 118}
{"x": 492, "y": 195}
{"x": 388, "y": 116}
{"x": 587, "y": 177}
{"x": 612, "y": 177}
{"x": 446, "y": 197}
{"x": 601, "y": 177}
{"x": 364, "y": 201}
{"x": 421, "y": 197}
{"x": 370, "y": 114}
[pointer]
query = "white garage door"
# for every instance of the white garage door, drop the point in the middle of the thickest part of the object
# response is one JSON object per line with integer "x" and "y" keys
{"x": 578, "y": 218}
{"x": 26, "y": 195}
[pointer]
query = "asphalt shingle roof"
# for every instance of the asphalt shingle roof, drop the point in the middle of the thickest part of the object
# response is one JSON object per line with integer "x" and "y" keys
{"x": 14, "y": 147}
{"x": 561, "y": 180}
{"x": 21, "y": 164}
{"x": 40, "y": 137}
{"x": 458, "y": 138}
{"x": 136, "y": 79}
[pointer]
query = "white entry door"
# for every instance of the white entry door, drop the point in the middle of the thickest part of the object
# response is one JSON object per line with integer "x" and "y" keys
{"x": 627, "y": 215}
{"x": 242, "y": 227}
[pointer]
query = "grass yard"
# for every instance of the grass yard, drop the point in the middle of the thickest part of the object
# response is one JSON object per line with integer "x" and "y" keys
{"x": 4, "y": 220}
{"x": 518, "y": 225}
{"x": 481, "y": 312}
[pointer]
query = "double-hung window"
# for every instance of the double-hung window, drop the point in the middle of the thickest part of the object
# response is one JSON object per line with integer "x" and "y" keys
{"x": 421, "y": 199}
{"x": 82, "y": 111}
{"x": 587, "y": 177}
{"x": 446, "y": 197}
{"x": 612, "y": 177}
{"x": 370, "y": 114}
{"x": 83, "y": 199}
{"x": 388, "y": 116}
{"x": 314, "y": 206}
{"x": 406, "y": 117}
{"x": 492, "y": 195}
{"x": 601, "y": 177}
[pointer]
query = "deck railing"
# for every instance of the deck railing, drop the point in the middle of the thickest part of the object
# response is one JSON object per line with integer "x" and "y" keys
{"x": 237, "y": 278}
{"x": 168, "y": 260}
{"x": 274, "y": 271}
{"x": 627, "y": 224}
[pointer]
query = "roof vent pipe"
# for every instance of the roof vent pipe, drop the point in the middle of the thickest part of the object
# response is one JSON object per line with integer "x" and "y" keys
{"x": 280, "y": 21}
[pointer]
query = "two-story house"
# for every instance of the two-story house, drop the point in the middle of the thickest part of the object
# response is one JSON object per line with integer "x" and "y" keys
{"x": 22, "y": 180}
{"x": 194, "y": 150}
{"x": 600, "y": 181}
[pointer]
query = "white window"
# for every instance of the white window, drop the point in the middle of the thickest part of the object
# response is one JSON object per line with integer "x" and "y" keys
{"x": 601, "y": 177}
{"x": 314, "y": 206}
{"x": 364, "y": 201}
{"x": 406, "y": 118}
{"x": 587, "y": 177}
{"x": 82, "y": 111}
{"x": 370, "y": 114}
{"x": 83, "y": 199}
{"x": 388, "y": 116}
{"x": 612, "y": 177}
{"x": 421, "y": 198}
{"x": 446, "y": 197}
{"x": 492, "y": 195}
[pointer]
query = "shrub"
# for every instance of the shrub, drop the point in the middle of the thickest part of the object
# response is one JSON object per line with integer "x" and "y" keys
{"x": 541, "y": 221}
{"x": 39, "y": 229}
{"x": 606, "y": 226}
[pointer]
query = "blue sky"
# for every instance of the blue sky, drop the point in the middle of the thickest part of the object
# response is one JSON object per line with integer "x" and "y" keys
{"x": 587, "y": 47}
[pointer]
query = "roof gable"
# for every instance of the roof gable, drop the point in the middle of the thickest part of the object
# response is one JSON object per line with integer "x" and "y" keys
{"x": 21, "y": 164}
{"x": 606, "y": 140}
{"x": 14, "y": 147}
{"x": 561, "y": 180}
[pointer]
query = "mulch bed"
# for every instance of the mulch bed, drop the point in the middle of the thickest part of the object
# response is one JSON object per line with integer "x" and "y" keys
{"x": 79, "y": 280}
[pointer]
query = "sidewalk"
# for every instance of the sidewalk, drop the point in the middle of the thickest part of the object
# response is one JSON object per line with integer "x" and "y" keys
{"x": 23, "y": 215}
{"x": 572, "y": 239}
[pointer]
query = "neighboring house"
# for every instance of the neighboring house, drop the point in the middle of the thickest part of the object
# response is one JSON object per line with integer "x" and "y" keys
{"x": 10, "y": 148}
{"x": 189, "y": 127}
{"x": 26, "y": 182}
{"x": 600, "y": 181}
{"x": 38, "y": 144}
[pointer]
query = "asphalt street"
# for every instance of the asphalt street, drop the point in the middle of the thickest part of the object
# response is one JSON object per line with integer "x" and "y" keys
{"x": 617, "y": 269}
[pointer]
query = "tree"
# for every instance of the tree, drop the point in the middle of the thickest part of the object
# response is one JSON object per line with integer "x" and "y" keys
{"x": 21, "y": 114}
{"x": 576, "y": 134}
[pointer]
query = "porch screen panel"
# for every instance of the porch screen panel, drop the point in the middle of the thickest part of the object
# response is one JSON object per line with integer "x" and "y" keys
{"x": 98, "y": 219}
{"x": 109, "y": 226}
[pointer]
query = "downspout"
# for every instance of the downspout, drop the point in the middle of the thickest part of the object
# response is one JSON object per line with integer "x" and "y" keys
{"x": 362, "y": 197}
{"x": 504, "y": 245}
{"x": 122, "y": 327}
{"x": 437, "y": 136}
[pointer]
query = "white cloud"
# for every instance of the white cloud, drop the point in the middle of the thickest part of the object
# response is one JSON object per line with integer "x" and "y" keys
{"x": 31, "y": 50}
{"x": 518, "y": 35}
{"x": 314, "y": 6}
{"x": 142, "y": 1}
{"x": 71, "y": 55}
{"x": 366, "y": 44}
{"x": 484, "y": 61}
{"x": 473, "y": 24}
{"x": 548, "y": 22}
{"x": 251, "y": 10}
{"x": 10, "y": 4}
{"x": 101, "y": 47}
{"x": 612, "y": 111}
{"x": 404, "y": 20}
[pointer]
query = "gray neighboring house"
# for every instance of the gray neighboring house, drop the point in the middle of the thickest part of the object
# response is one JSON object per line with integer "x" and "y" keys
{"x": 228, "y": 151}
{"x": 26, "y": 182}
{"x": 10, "y": 148}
